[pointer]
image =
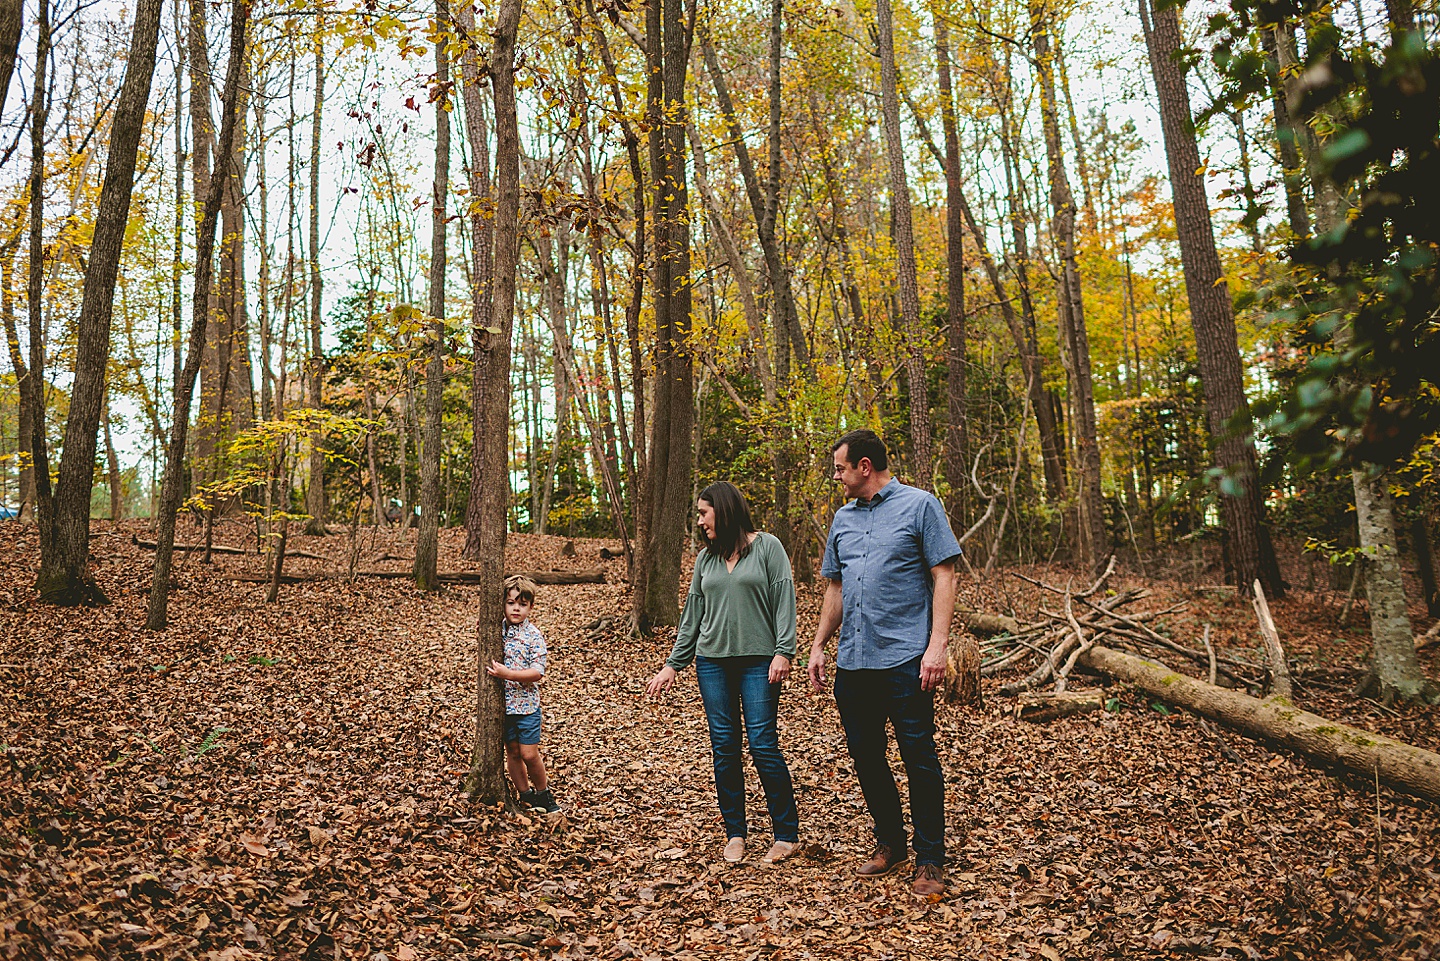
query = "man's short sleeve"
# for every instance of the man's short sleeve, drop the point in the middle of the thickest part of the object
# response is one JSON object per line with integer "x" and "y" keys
{"x": 937, "y": 539}
{"x": 830, "y": 566}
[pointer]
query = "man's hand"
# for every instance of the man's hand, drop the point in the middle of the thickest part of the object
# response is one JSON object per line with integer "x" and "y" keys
{"x": 932, "y": 666}
{"x": 816, "y": 667}
{"x": 779, "y": 669}
{"x": 496, "y": 669}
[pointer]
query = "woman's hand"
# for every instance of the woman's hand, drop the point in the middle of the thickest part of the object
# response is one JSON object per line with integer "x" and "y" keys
{"x": 496, "y": 669}
{"x": 779, "y": 669}
{"x": 661, "y": 682}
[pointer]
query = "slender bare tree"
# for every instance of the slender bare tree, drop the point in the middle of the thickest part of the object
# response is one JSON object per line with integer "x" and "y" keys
{"x": 904, "y": 238}
{"x": 64, "y": 576}
{"x": 427, "y": 539}
{"x": 171, "y": 486}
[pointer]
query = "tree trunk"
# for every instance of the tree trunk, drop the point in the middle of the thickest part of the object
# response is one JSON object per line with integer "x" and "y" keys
{"x": 1052, "y": 441}
{"x": 177, "y": 257}
{"x": 956, "y": 454}
{"x": 112, "y": 468}
{"x": 1401, "y": 13}
{"x": 1404, "y": 767}
{"x": 35, "y": 288}
{"x": 227, "y": 388}
{"x": 427, "y": 541}
{"x": 262, "y": 229}
{"x": 1211, "y": 314}
{"x": 315, "y": 366}
{"x": 12, "y": 21}
{"x": 669, "y": 471}
{"x": 1287, "y": 135}
{"x": 1394, "y": 670}
{"x": 1072, "y": 306}
{"x": 764, "y": 204}
{"x": 566, "y": 371}
{"x": 26, "y": 416}
{"x": 486, "y": 780}
{"x": 915, "y": 337}
{"x": 171, "y": 485}
{"x": 64, "y": 578}
{"x": 1425, "y": 562}
{"x": 483, "y": 385}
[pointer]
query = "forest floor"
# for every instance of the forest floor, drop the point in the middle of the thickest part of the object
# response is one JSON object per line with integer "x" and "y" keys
{"x": 284, "y": 781}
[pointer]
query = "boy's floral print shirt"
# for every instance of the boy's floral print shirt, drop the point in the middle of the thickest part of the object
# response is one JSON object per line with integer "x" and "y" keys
{"x": 524, "y": 649}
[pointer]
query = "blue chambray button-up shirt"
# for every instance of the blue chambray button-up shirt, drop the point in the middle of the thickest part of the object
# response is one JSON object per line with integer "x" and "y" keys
{"x": 881, "y": 552}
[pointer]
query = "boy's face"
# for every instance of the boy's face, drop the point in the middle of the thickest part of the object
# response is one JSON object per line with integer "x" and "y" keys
{"x": 517, "y": 609}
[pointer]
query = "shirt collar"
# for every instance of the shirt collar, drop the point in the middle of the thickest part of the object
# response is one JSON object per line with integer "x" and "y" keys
{"x": 880, "y": 495}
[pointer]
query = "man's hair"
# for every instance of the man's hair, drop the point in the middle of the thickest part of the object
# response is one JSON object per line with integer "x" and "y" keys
{"x": 732, "y": 520}
{"x": 523, "y": 586}
{"x": 860, "y": 444}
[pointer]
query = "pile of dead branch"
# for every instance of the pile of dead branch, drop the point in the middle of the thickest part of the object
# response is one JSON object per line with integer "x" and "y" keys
{"x": 1057, "y": 640}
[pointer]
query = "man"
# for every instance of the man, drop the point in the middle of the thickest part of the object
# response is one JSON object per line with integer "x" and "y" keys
{"x": 890, "y": 563}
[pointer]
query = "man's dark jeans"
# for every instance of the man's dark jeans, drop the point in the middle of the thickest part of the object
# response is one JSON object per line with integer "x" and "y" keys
{"x": 732, "y": 688}
{"x": 867, "y": 699}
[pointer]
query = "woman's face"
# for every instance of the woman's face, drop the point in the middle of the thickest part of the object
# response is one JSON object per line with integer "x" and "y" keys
{"x": 705, "y": 519}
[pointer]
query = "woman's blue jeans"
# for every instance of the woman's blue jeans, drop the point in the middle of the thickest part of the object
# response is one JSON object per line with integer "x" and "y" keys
{"x": 733, "y": 688}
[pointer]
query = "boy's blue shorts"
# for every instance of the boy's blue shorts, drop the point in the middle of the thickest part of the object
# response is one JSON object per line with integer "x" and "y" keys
{"x": 523, "y": 728}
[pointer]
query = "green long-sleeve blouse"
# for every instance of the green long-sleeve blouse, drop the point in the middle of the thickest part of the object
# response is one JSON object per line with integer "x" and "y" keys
{"x": 747, "y": 611}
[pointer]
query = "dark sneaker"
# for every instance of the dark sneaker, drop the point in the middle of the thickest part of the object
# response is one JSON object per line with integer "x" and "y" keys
{"x": 544, "y": 801}
{"x": 882, "y": 862}
{"x": 526, "y": 800}
{"x": 929, "y": 881}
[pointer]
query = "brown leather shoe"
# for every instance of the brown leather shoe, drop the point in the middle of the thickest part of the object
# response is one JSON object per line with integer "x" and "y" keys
{"x": 929, "y": 881}
{"x": 882, "y": 862}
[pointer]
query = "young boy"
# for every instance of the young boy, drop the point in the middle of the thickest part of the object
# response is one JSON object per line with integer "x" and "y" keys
{"x": 522, "y": 672}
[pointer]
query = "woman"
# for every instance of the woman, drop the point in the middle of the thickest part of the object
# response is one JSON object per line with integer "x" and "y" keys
{"x": 739, "y": 627}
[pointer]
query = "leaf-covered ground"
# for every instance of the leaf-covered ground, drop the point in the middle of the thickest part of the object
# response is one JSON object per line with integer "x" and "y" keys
{"x": 283, "y": 781}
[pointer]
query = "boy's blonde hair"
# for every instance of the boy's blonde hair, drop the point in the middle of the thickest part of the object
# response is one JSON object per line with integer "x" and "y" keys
{"x": 523, "y": 586}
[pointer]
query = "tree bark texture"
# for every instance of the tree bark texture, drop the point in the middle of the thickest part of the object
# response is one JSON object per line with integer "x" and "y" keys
{"x": 1072, "y": 306}
{"x": 670, "y": 461}
{"x": 1395, "y": 671}
{"x": 227, "y": 385}
{"x": 172, "y": 485}
{"x": 1212, "y": 316}
{"x": 486, "y": 780}
{"x": 26, "y": 415}
{"x": 35, "y": 287}
{"x": 482, "y": 246}
{"x": 956, "y": 455}
{"x": 906, "y": 283}
{"x": 1404, "y": 767}
{"x": 1051, "y": 430}
{"x": 427, "y": 540}
{"x": 315, "y": 364}
{"x": 12, "y": 20}
{"x": 64, "y": 578}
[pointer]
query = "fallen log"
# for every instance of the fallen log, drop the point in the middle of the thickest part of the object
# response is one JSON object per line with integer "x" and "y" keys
{"x": 593, "y": 576}
{"x": 223, "y": 549}
{"x": 1043, "y": 708}
{"x": 988, "y": 625}
{"x": 1404, "y": 767}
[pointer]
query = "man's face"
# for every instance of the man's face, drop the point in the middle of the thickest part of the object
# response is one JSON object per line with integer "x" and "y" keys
{"x": 850, "y": 476}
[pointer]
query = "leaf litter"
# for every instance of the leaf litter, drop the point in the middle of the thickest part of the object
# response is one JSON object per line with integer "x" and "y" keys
{"x": 283, "y": 781}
